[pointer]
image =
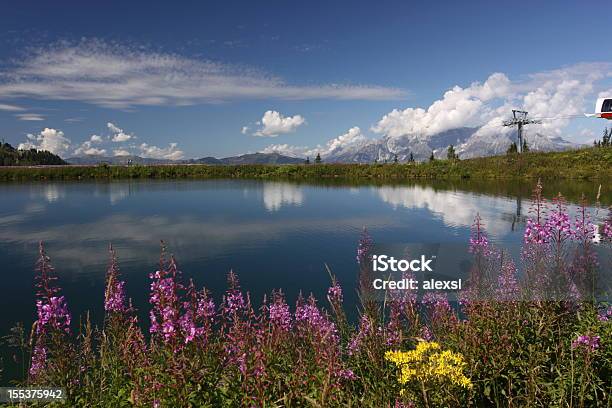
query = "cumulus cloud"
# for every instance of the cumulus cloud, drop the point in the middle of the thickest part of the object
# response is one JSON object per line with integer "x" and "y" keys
{"x": 172, "y": 152}
{"x": 244, "y": 130}
{"x": 352, "y": 138}
{"x": 287, "y": 150}
{"x": 554, "y": 95}
{"x": 52, "y": 140}
{"x": 274, "y": 124}
{"x": 121, "y": 76}
{"x": 118, "y": 135}
{"x": 35, "y": 117}
{"x": 120, "y": 152}
{"x": 91, "y": 151}
{"x": 86, "y": 148}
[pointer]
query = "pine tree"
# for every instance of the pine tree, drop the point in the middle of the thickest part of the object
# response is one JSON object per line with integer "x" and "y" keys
{"x": 606, "y": 137}
{"x": 318, "y": 159}
{"x": 432, "y": 158}
{"x": 395, "y": 159}
{"x": 450, "y": 153}
{"x": 411, "y": 159}
{"x": 512, "y": 148}
{"x": 307, "y": 160}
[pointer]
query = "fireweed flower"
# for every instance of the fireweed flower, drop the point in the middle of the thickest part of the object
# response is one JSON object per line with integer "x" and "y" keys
{"x": 536, "y": 231}
{"x": 321, "y": 333}
{"x": 507, "y": 282}
{"x": 114, "y": 296}
{"x": 426, "y": 333}
{"x": 53, "y": 314}
{"x": 586, "y": 342}
{"x": 52, "y": 311}
{"x": 606, "y": 230}
{"x": 198, "y": 315}
{"x": 558, "y": 222}
{"x": 347, "y": 374}
{"x": 311, "y": 318}
{"x": 165, "y": 297}
{"x": 479, "y": 243}
{"x": 334, "y": 294}
{"x": 279, "y": 314}
{"x": 437, "y": 306}
{"x": 365, "y": 332}
{"x": 233, "y": 300}
{"x": 39, "y": 359}
{"x": 604, "y": 314}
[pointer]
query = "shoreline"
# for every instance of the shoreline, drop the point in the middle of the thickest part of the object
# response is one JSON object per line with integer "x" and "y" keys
{"x": 585, "y": 164}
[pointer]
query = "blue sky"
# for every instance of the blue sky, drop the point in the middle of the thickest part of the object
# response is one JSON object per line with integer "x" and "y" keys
{"x": 197, "y": 73}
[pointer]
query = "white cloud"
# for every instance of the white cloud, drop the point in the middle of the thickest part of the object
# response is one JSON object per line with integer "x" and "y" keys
{"x": 458, "y": 107}
{"x": 118, "y": 134}
{"x": 121, "y": 152}
{"x": 30, "y": 116}
{"x": 95, "y": 151}
{"x": 113, "y": 128}
{"x": 10, "y": 108}
{"x": 558, "y": 94}
{"x": 87, "y": 149}
{"x": 48, "y": 139}
{"x": 121, "y": 137}
{"x": 287, "y": 150}
{"x": 352, "y": 138}
{"x": 274, "y": 124}
{"x": 120, "y": 76}
{"x": 171, "y": 152}
{"x": 244, "y": 130}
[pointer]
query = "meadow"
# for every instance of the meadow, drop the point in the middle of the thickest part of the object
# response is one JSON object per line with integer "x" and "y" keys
{"x": 585, "y": 164}
{"x": 538, "y": 338}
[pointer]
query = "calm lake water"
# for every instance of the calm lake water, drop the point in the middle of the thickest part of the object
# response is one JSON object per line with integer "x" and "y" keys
{"x": 272, "y": 234}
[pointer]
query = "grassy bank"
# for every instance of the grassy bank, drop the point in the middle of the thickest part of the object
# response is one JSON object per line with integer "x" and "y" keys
{"x": 584, "y": 164}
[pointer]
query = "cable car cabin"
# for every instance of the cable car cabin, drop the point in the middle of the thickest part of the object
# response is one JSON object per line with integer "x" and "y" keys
{"x": 603, "y": 108}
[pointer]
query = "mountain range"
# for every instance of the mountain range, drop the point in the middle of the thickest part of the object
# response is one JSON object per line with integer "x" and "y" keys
{"x": 251, "y": 158}
{"x": 468, "y": 143}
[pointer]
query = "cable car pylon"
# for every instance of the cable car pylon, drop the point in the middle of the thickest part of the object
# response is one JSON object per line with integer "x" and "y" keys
{"x": 519, "y": 119}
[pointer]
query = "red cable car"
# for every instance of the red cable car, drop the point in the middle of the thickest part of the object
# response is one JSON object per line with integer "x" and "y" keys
{"x": 603, "y": 109}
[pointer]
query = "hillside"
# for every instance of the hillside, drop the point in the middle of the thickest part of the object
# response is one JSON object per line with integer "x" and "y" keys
{"x": 9, "y": 156}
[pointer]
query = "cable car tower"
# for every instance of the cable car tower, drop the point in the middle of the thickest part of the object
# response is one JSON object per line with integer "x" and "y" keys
{"x": 519, "y": 119}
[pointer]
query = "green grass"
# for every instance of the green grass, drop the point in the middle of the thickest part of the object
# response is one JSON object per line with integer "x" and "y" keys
{"x": 584, "y": 164}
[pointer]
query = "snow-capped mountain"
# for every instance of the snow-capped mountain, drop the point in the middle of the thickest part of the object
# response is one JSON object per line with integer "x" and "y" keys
{"x": 386, "y": 148}
{"x": 479, "y": 145}
{"x": 468, "y": 142}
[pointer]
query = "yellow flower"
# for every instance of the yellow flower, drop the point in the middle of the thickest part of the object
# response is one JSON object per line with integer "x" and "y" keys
{"x": 428, "y": 363}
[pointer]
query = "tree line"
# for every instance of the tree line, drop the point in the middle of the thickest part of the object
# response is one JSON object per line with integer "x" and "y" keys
{"x": 9, "y": 156}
